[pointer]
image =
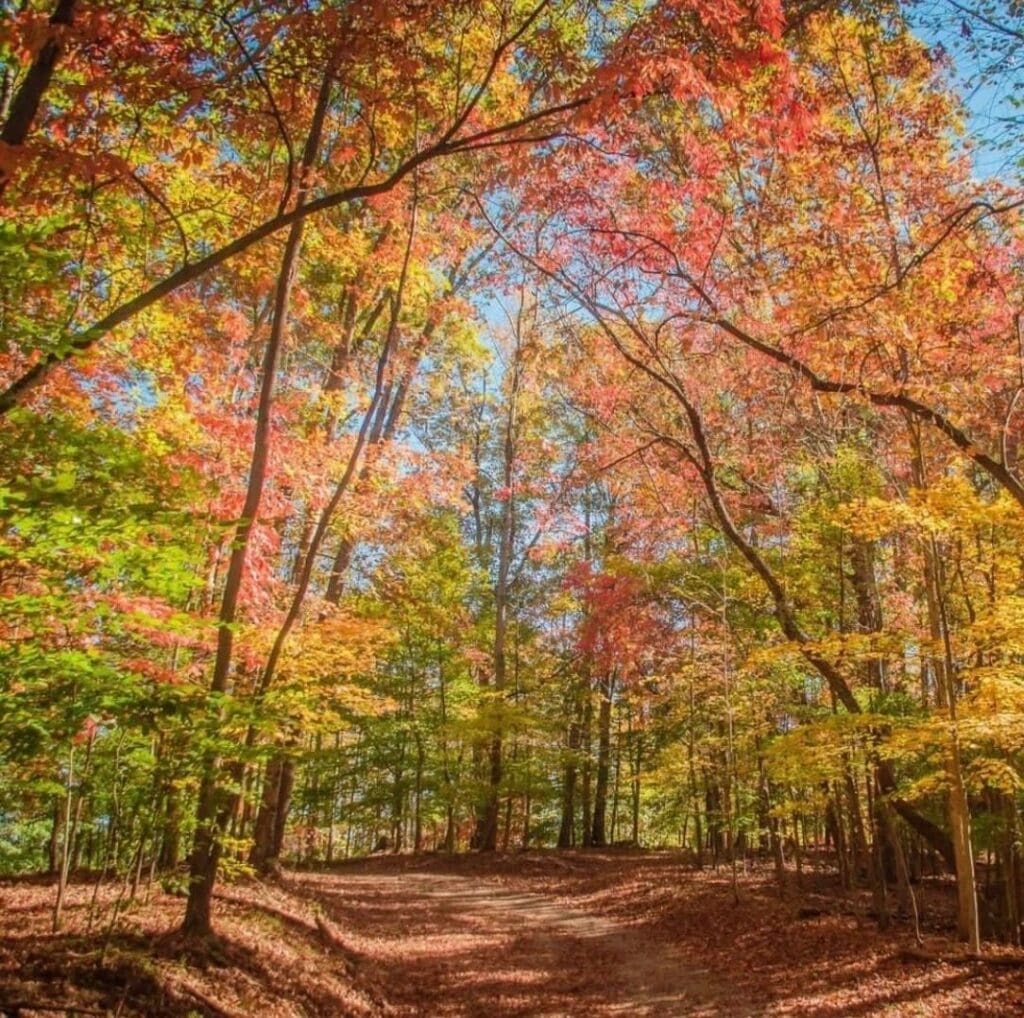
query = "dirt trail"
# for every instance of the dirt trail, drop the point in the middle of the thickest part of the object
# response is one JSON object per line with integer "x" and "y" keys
{"x": 452, "y": 945}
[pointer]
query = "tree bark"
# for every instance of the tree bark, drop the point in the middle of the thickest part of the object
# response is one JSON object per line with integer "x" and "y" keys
{"x": 212, "y": 807}
{"x": 587, "y": 787}
{"x": 567, "y": 828}
{"x": 487, "y": 837}
{"x": 24, "y": 107}
{"x": 604, "y": 726}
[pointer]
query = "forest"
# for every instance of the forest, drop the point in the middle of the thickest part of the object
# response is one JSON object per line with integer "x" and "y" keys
{"x": 544, "y": 475}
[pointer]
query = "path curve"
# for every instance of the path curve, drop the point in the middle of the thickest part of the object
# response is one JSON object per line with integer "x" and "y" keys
{"x": 444, "y": 945}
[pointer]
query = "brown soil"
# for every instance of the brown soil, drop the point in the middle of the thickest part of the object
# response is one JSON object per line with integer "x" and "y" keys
{"x": 538, "y": 934}
{"x": 448, "y": 945}
{"x": 643, "y": 933}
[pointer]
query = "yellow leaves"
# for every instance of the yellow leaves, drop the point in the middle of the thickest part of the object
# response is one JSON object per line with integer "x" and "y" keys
{"x": 321, "y": 677}
{"x": 333, "y": 707}
{"x": 989, "y": 730}
{"x": 562, "y": 602}
{"x": 997, "y": 774}
{"x": 857, "y": 647}
{"x": 339, "y": 646}
{"x": 946, "y": 288}
{"x": 950, "y": 505}
{"x": 873, "y": 518}
{"x": 928, "y": 785}
{"x": 766, "y": 655}
{"x": 991, "y": 716}
{"x": 1000, "y": 629}
{"x": 811, "y": 754}
{"x": 995, "y": 689}
{"x": 920, "y": 741}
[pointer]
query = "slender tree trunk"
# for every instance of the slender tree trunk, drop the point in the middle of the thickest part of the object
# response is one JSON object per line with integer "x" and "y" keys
{"x": 879, "y": 890}
{"x": 213, "y": 810}
{"x": 567, "y": 828}
{"x": 587, "y": 789}
{"x": 617, "y": 781}
{"x": 637, "y": 771}
{"x": 379, "y": 424}
{"x": 53, "y": 845}
{"x": 417, "y": 828}
{"x": 944, "y": 670}
{"x": 703, "y": 461}
{"x": 487, "y": 838}
{"x": 771, "y": 824}
{"x": 604, "y": 728}
{"x": 72, "y": 818}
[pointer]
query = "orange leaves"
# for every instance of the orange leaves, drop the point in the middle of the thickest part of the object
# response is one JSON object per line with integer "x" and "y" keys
{"x": 770, "y": 16}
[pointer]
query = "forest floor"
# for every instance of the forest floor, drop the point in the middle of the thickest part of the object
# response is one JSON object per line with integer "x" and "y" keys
{"x": 533, "y": 934}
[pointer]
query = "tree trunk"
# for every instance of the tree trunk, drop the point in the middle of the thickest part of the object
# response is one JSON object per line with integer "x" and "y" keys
{"x": 488, "y": 836}
{"x": 637, "y": 770}
{"x": 869, "y": 607}
{"x": 53, "y": 845}
{"x": 944, "y": 668}
{"x": 262, "y": 855}
{"x": 771, "y": 825}
{"x": 567, "y": 829}
{"x": 604, "y": 727}
{"x": 170, "y": 837}
{"x": 212, "y": 809}
{"x": 417, "y": 828}
{"x": 588, "y": 718}
{"x": 22, "y": 111}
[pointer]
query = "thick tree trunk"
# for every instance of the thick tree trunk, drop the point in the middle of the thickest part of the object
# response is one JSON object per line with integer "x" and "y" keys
{"x": 262, "y": 855}
{"x": 869, "y": 607}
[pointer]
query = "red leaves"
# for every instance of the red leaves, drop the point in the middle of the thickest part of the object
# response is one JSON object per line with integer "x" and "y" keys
{"x": 87, "y": 733}
{"x": 151, "y": 670}
{"x": 621, "y": 629}
{"x": 770, "y": 16}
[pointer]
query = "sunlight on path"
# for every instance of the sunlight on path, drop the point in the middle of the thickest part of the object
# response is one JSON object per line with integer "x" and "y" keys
{"x": 447, "y": 945}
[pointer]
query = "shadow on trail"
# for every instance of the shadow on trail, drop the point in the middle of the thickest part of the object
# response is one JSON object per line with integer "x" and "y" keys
{"x": 460, "y": 945}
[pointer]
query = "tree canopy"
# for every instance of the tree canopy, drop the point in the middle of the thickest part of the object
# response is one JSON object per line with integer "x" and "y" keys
{"x": 448, "y": 426}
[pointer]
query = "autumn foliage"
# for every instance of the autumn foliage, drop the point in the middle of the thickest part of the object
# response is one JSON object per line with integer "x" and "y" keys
{"x": 444, "y": 426}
